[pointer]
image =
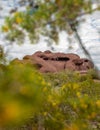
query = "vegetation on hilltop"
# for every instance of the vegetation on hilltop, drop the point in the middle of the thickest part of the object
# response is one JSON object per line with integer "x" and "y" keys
{"x": 59, "y": 101}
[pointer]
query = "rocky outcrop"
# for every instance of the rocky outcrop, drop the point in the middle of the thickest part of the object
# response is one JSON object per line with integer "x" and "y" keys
{"x": 55, "y": 62}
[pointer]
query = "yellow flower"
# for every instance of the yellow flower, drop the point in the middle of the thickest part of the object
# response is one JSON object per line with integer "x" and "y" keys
{"x": 84, "y": 125}
{"x": 48, "y": 84}
{"x": 44, "y": 89}
{"x": 50, "y": 98}
{"x": 12, "y": 111}
{"x": 86, "y": 95}
{"x": 18, "y": 20}
{"x": 63, "y": 87}
{"x": 98, "y": 103}
{"x": 78, "y": 94}
{"x": 72, "y": 127}
{"x": 75, "y": 86}
{"x": 93, "y": 115}
{"x": 54, "y": 104}
{"x": 5, "y": 28}
{"x": 75, "y": 106}
{"x": 43, "y": 83}
{"x": 52, "y": 101}
{"x": 84, "y": 105}
{"x": 81, "y": 100}
{"x": 45, "y": 113}
{"x": 16, "y": 14}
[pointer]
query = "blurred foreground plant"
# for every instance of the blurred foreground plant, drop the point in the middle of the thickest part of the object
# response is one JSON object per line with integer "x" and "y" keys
{"x": 63, "y": 101}
{"x": 20, "y": 93}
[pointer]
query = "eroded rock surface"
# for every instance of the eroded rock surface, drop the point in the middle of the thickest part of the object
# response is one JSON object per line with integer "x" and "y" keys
{"x": 55, "y": 62}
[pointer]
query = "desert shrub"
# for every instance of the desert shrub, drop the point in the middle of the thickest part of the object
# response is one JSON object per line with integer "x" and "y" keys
{"x": 59, "y": 101}
{"x": 20, "y": 93}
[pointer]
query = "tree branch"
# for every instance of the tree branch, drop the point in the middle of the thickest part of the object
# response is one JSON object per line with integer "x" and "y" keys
{"x": 84, "y": 49}
{"x": 88, "y": 12}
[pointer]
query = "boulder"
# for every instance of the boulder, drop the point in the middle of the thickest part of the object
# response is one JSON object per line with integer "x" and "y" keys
{"x": 54, "y": 62}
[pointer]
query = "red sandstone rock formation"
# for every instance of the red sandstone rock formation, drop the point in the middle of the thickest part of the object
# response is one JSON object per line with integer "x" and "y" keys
{"x": 55, "y": 62}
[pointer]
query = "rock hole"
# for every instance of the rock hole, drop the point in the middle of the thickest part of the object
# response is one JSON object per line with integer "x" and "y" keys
{"x": 41, "y": 56}
{"x": 86, "y": 60}
{"x": 45, "y": 58}
{"x": 78, "y": 64}
{"x": 87, "y": 67}
{"x": 52, "y": 58}
{"x": 38, "y": 65}
{"x": 63, "y": 59}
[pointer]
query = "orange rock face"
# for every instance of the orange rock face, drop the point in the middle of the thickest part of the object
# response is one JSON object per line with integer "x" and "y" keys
{"x": 55, "y": 62}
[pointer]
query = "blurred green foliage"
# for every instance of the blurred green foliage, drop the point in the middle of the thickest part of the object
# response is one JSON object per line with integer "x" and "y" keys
{"x": 51, "y": 17}
{"x": 20, "y": 93}
{"x": 59, "y": 101}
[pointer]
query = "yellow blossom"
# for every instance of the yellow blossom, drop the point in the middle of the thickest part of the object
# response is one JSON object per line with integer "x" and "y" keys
{"x": 48, "y": 84}
{"x": 98, "y": 103}
{"x": 75, "y": 86}
{"x": 72, "y": 127}
{"x": 84, "y": 125}
{"x": 86, "y": 95}
{"x": 5, "y": 29}
{"x": 45, "y": 113}
{"x": 44, "y": 89}
{"x": 39, "y": 77}
{"x": 16, "y": 14}
{"x": 12, "y": 111}
{"x": 93, "y": 115}
{"x": 43, "y": 82}
{"x": 18, "y": 20}
{"x": 63, "y": 87}
{"x": 78, "y": 94}
{"x": 54, "y": 104}
{"x": 75, "y": 106}
{"x": 49, "y": 98}
{"x": 84, "y": 105}
{"x": 81, "y": 100}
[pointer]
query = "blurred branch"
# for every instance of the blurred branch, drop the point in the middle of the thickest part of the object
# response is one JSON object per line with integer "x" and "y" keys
{"x": 73, "y": 27}
{"x": 81, "y": 14}
{"x": 88, "y": 12}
